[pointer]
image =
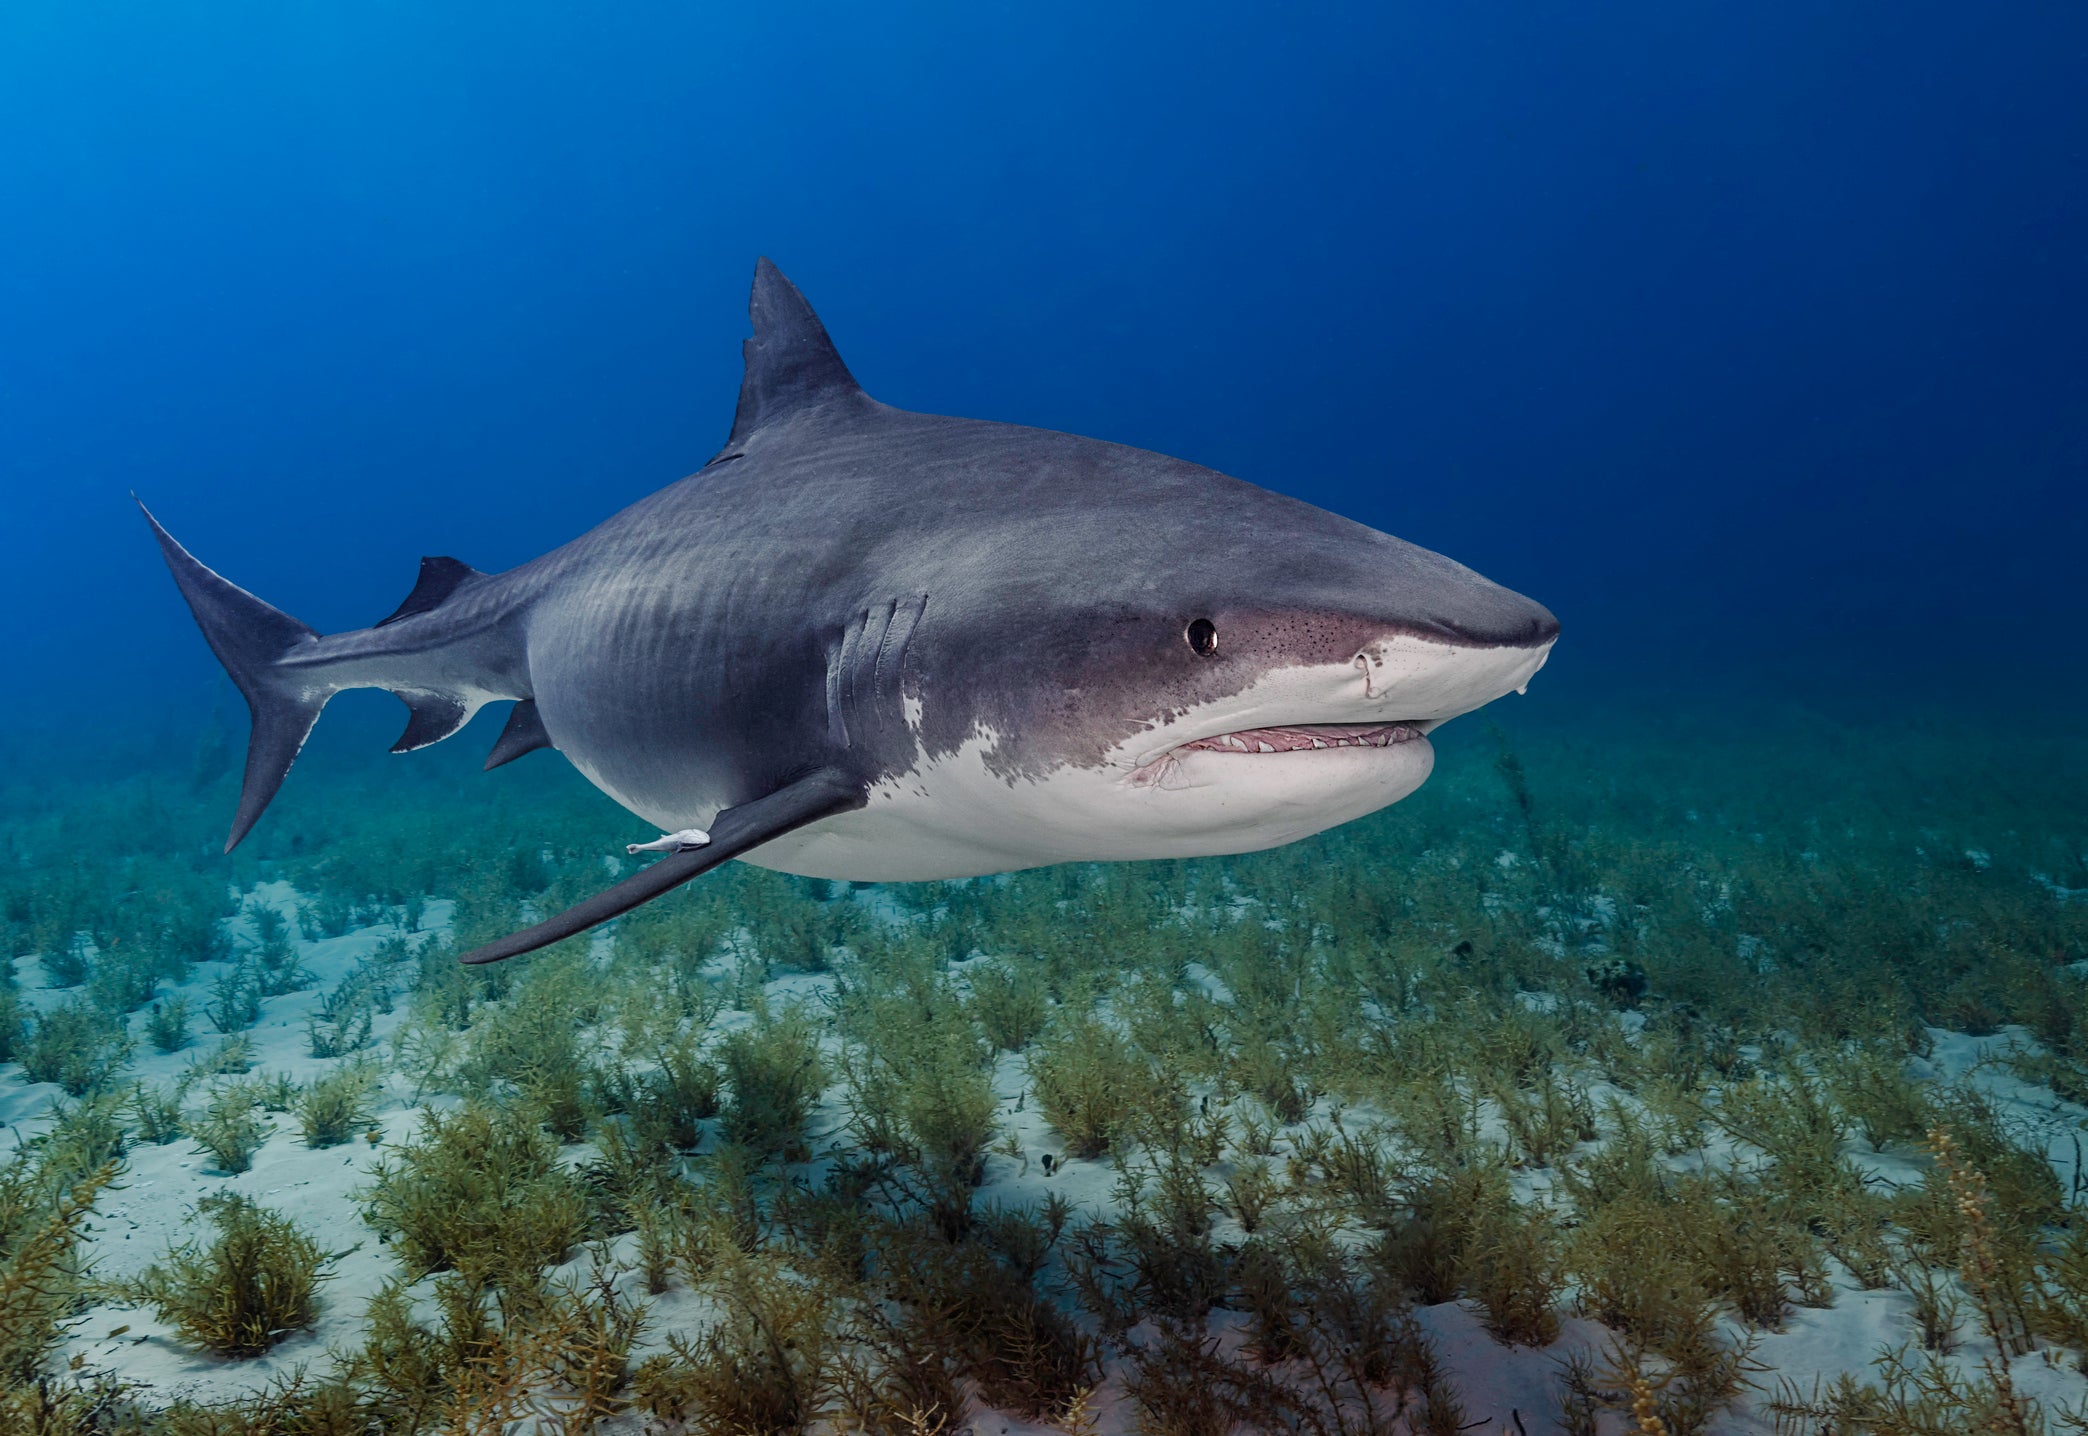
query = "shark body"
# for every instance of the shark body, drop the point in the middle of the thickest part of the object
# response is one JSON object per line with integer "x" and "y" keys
{"x": 879, "y": 645}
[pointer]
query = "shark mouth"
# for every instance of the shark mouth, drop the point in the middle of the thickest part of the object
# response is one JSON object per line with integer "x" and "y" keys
{"x": 1306, "y": 737}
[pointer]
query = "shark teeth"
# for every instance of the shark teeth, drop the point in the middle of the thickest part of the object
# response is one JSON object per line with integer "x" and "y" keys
{"x": 1306, "y": 737}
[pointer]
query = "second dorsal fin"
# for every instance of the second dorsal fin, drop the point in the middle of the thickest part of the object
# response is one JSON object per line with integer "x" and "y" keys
{"x": 791, "y": 363}
{"x": 439, "y": 578}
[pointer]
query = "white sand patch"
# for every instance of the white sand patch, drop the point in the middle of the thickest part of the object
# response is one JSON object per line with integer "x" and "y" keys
{"x": 152, "y": 1206}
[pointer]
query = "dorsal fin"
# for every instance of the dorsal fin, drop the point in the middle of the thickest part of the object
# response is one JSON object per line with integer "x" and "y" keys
{"x": 791, "y": 364}
{"x": 439, "y": 578}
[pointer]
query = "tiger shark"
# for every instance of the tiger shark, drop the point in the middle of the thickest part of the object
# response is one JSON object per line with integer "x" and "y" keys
{"x": 863, "y": 643}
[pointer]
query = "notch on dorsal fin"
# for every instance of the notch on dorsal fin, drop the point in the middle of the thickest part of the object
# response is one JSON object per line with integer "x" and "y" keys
{"x": 524, "y": 734}
{"x": 791, "y": 364}
{"x": 432, "y": 718}
{"x": 439, "y": 578}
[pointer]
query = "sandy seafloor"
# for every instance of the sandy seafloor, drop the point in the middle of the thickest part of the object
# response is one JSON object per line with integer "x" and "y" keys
{"x": 152, "y": 1207}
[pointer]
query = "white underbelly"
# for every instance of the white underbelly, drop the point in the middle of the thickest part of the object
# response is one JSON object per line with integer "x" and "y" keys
{"x": 956, "y": 819}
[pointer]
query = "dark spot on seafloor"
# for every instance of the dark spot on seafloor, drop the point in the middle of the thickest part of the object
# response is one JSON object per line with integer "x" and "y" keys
{"x": 1619, "y": 979}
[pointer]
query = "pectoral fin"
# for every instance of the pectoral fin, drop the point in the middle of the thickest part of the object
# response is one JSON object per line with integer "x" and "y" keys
{"x": 736, "y": 830}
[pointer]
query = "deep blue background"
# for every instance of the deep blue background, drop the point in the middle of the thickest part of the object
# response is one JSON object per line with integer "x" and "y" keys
{"x": 1748, "y": 336}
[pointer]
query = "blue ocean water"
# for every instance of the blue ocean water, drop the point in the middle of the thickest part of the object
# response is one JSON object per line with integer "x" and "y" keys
{"x": 1745, "y": 337}
{"x": 1715, "y": 1011}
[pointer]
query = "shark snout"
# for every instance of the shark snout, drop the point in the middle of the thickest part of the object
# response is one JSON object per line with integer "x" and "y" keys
{"x": 1485, "y": 642}
{"x": 1403, "y": 677}
{"x": 1480, "y": 614}
{"x": 1532, "y": 625}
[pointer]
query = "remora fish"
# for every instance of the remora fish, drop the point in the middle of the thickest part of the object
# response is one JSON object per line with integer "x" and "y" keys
{"x": 871, "y": 644}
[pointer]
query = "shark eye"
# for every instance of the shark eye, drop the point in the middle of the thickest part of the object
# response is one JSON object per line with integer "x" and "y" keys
{"x": 1202, "y": 635}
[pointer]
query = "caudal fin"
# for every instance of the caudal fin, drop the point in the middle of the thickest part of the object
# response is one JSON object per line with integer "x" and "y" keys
{"x": 251, "y": 638}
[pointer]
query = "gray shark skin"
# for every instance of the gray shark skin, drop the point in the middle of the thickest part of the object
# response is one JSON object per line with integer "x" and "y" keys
{"x": 872, "y": 644}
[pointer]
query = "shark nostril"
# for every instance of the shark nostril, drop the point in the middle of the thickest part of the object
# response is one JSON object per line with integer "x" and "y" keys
{"x": 1364, "y": 662}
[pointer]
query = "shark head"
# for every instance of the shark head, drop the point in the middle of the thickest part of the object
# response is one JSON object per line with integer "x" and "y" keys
{"x": 1287, "y": 674}
{"x": 1122, "y": 655}
{"x": 1175, "y": 663}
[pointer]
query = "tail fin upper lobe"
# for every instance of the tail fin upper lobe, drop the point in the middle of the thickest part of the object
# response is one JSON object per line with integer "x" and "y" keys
{"x": 250, "y": 637}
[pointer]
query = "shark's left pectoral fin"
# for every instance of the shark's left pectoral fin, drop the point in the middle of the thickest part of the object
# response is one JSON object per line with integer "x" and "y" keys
{"x": 737, "y": 830}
